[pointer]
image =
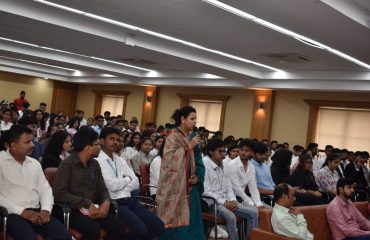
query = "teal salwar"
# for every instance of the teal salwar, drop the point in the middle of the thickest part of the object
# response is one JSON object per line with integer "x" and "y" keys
{"x": 195, "y": 231}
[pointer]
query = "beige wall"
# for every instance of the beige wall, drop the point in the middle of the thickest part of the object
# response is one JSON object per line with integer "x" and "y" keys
{"x": 238, "y": 117}
{"x": 37, "y": 89}
{"x": 290, "y": 119}
{"x": 135, "y": 99}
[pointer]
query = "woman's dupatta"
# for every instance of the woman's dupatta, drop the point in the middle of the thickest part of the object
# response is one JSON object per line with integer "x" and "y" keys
{"x": 173, "y": 191}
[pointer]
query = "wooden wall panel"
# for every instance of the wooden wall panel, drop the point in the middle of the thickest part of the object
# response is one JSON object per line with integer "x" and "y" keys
{"x": 262, "y": 115}
{"x": 64, "y": 98}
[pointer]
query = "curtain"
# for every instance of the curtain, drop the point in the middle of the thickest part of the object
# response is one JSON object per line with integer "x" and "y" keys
{"x": 113, "y": 104}
{"x": 208, "y": 113}
{"x": 344, "y": 128}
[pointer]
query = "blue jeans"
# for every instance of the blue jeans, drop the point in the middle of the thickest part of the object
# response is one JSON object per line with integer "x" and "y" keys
{"x": 20, "y": 228}
{"x": 247, "y": 212}
{"x": 142, "y": 223}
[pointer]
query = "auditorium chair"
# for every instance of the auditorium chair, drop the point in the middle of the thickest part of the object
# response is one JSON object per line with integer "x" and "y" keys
{"x": 50, "y": 175}
{"x": 144, "y": 187}
{"x": 212, "y": 220}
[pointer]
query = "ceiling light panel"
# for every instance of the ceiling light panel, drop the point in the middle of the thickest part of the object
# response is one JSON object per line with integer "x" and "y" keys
{"x": 155, "y": 34}
{"x": 285, "y": 31}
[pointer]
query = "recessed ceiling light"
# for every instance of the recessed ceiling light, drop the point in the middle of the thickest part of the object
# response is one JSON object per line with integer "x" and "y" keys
{"x": 285, "y": 31}
{"x": 76, "y": 54}
{"x": 156, "y": 34}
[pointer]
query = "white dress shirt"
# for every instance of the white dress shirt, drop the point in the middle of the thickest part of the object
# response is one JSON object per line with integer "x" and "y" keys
{"x": 288, "y": 224}
{"x": 5, "y": 126}
{"x": 23, "y": 186}
{"x": 227, "y": 160}
{"x": 118, "y": 176}
{"x": 317, "y": 163}
{"x": 217, "y": 183}
{"x": 294, "y": 160}
{"x": 153, "y": 152}
{"x": 240, "y": 179}
{"x": 155, "y": 169}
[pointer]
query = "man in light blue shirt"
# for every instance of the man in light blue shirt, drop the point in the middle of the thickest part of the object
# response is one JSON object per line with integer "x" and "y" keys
{"x": 265, "y": 183}
{"x": 99, "y": 124}
{"x": 217, "y": 185}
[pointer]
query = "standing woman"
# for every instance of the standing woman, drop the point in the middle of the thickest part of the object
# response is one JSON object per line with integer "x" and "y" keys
{"x": 181, "y": 179}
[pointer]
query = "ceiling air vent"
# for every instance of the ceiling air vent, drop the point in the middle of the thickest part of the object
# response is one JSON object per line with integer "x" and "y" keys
{"x": 137, "y": 61}
{"x": 287, "y": 58}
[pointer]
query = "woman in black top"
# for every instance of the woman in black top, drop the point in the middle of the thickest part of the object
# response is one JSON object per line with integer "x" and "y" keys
{"x": 303, "y": 178}
{"x": 57, "y": 150}
{"x": 280, "y": 168}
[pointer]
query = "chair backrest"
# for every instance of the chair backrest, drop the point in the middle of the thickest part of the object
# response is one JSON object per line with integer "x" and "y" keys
{"x": 144, "y": 185}
{"x": 315, "y": 217}
{"x": 50, "y": 175}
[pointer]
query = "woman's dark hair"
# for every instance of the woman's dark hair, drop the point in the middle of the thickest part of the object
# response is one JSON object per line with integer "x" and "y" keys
{"x": 159, "y": 137}
{"x": 72, "y": 121}
{"x": 161, "y": 150}
{"x": 125, "y": 136}
{"x": 147, "y": 133}
{"x": 132, "y": 144}
{"x": 182, "y": 112}
{"x": 146, "y": 139}
{"x": 160, "y": 129}
{"x": 330, "y": 158}
{"x": 282, "y": 159}
{"x": 49, "y": 129}
{"x": 52, "y": 117}
{"x": 55, "y": 146}
{"x": 84, "y": 137}
{"x": 302, "y": 160}
{"x": 4, "y": 140}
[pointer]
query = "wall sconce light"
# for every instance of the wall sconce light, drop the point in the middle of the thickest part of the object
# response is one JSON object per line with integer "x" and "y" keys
{"x": 260, "y": 105}
{"x": 148, "y": 98}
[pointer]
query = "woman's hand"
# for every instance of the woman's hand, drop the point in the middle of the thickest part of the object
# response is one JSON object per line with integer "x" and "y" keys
{"x": 193, "y": 179}
{"x": 194, "y": 141}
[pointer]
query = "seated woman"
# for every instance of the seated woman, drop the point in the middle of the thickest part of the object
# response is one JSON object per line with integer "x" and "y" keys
{"x": 303, "y": 178}
{"x": 280, "y": 168}
{"x": 327, "y": 177}
{"x": 155, "y": 169}
{"x": 57, "y": 150}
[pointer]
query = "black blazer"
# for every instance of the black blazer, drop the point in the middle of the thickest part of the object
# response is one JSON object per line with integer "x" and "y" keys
{"x": 304, "y": 180}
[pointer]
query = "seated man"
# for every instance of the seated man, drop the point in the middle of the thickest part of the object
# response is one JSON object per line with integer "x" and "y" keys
{"x": 80, "y": 184}
{"x": 25, "y": 192}
{"x": 242, "y": 174}
{"x": 265, "y": 183}
{"x": 355, "y": 171}
{"x": 120, "y": 180}
{"x": 345, "y": 220}
{"x": 285, "y": 219}
{"x": 217, "y": 185}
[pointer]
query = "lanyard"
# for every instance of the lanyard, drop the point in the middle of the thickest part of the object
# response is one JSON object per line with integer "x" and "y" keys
{"x": 115, "y": 170}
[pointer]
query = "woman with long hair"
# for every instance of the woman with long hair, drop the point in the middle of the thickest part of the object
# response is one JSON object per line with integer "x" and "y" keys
{"x": 303, "y": 178}
{"x": 57, "y": 150}
{"x": 280, "y": 168}
{"x": 180, "y": 184}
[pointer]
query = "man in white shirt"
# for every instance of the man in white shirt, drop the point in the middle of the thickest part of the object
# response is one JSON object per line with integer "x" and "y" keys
{"x": 297, "y": 151}
{"x": 217, "y": 185}
{"x": 285, "y": 219}
{"x": 6, "y": 122}
{"x": 120, "y": 181}
{"x": 25, "y": 192}
{"x": 243, "y": 174}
